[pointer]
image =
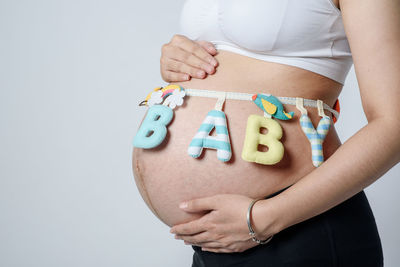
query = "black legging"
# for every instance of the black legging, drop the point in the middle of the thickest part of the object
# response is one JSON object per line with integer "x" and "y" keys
{"x": 346, "y": 235}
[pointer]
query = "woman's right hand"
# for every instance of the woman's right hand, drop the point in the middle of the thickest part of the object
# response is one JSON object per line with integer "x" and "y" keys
{"x": 183, "y": 58}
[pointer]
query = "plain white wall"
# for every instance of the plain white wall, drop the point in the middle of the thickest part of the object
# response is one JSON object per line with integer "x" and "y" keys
{"x": 71, "y": 76}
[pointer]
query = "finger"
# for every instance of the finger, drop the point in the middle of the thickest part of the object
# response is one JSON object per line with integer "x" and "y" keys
{"x": 171, "y": 76}
{"x": 199, "y": 204}
{"x": 203, "y": 237}
{"x": 177, "y": 66}
{"x": 189, "y": 58}
{"x": 190, "y": 228}
{"x": 208, "y": 46}
{"x": 193, "y": 48}
{"x": 217, "y": 250}
{"x": 205, "y": 244}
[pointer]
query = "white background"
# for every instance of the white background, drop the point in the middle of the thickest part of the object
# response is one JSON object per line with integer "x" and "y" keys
{"x": 71, "y": 76}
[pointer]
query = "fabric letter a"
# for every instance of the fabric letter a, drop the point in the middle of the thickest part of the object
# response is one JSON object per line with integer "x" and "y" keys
{"x": 220, "y": 142}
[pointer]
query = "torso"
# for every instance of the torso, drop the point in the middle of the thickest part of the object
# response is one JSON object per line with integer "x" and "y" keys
{"x": 167, "y": 175}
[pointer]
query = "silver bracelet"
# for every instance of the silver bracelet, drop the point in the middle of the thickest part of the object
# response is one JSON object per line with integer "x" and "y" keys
{"x": 251, "y": 231}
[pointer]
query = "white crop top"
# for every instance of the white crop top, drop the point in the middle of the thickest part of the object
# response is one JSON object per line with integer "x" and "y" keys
{"x": 308, "y": 34}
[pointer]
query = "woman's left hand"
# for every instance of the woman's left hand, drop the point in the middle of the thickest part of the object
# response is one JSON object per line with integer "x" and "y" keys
{"x": 223, "y": 229}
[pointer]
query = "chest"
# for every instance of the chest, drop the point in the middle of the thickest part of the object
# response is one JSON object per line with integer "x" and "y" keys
{"x": 263, "y": 25}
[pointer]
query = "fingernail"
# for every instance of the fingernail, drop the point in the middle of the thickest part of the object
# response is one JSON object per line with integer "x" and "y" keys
{"x": 209, "y": 69}
{"x": 214, "y": 50}
{"x": 183, "y": 205}
{"x": 213, "y": 62}
{"x": 201, "y": 73}
{"x": 172, "y": 231}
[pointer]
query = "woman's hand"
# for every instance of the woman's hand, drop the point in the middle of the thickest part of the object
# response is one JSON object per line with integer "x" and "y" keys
{"x": 183, "y": 58}
{"x": 224, "y": 228}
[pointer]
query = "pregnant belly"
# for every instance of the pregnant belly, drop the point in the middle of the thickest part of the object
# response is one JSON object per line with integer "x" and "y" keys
{"x": 167, "y": 175}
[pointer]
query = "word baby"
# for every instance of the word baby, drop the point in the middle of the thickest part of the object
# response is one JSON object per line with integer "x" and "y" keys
{"x": 154, "y": 127}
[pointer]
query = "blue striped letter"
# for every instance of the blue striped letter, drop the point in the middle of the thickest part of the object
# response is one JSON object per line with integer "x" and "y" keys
{"x": 220, "y": 142}
{"x": 316, "y": 137}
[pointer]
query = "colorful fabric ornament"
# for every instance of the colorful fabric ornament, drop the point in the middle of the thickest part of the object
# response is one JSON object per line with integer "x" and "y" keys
{"x": 254, "y": 138}
{"x": 155, "y": 98}
{"x": 153, "y": 129}
{"x": 272, "y": 106}
{"x": 214, "y": 119}
{"x": 316, "y": 136}
{"x": 175, "y": 99}
{"x": 172, "y": 95}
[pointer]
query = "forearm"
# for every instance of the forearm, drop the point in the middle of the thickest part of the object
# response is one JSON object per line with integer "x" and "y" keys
{"x": 360, "y": 161}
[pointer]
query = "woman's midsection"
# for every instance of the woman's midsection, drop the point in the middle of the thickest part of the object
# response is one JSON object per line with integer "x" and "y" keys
{"x": 167, "y": 175}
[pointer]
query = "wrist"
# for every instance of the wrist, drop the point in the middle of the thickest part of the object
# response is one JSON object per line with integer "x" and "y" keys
{"x": 266, "y": 220}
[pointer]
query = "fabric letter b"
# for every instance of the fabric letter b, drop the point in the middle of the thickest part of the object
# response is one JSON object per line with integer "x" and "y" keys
{"x": 271, "y": 140}
{"x": 153, "y": 129}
